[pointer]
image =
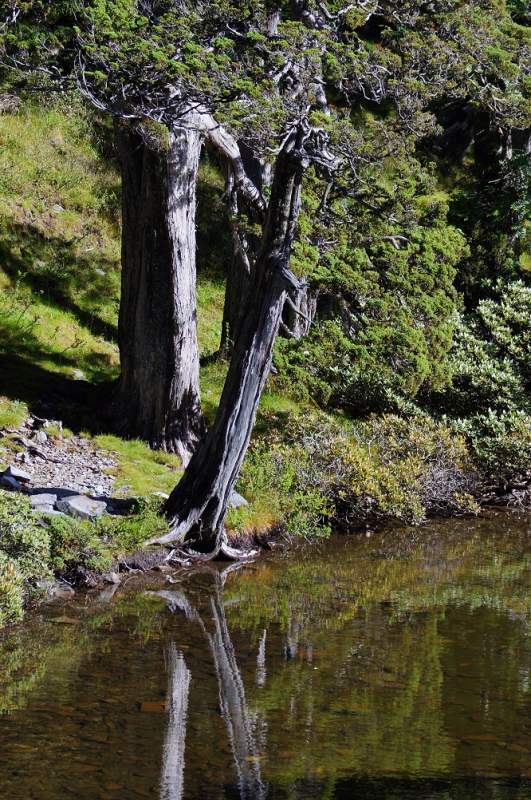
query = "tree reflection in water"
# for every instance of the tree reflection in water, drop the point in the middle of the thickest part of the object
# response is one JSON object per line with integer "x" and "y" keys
{"x": 173, "y": 756}
{"x": 233, "y": 704}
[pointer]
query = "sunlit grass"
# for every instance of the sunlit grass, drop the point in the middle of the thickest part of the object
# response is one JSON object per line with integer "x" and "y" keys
{"x": 140, "y": 470}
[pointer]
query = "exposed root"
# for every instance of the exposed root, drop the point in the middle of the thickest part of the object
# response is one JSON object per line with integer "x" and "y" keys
{"x": 187, "y": 556}
{"x": 235, "y": 554}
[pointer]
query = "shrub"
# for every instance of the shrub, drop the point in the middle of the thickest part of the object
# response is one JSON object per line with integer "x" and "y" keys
{"x": 489, "y": 401}
{"x": 322, "y": 472}
{"x": 31, "y": 552}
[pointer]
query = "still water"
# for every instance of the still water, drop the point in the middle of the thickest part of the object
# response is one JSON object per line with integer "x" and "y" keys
{"x": 396, "y": 666}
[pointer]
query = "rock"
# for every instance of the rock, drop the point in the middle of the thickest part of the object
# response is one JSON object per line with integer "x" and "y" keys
{"x": 156, "y": 706}
{"x": 107, "y": 593}
{"x": 163, "y": 495}
{"x": 40, "y": 437}
{"x": 45, "y": 508}
{"x": 81, "y": 506}
{"x": 78, "y": 375}
{"x": 11, "y": 483}
{"x": 42, "y": 499}
{"x": 237, "y": 500}
{"x": 18, "y": 474}
{"x": 112, "y": 577}
{"x": 57, "y": 208}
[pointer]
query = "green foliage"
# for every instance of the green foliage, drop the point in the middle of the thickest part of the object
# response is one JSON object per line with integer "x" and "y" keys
{"x": 322, "y": 472}
{"x": 31, "y": 550}
{"x": 385, "y": 294}
{"x": 491, "y": 363}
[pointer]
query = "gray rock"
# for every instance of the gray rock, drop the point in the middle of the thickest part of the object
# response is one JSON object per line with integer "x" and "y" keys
{"x": 107, "y": 593}
{"x": 112, "y": 577}
{"x": 81, "y": 506}
{"x": 42, "y": 499}
{"x": 11, "y": 483}
{"x": 78, "y": 375}
{"x": 237, "y": 500}
{"x": 18, "y": 474}
{"x": 163, "y": 495}
{"x": 57, "y": 208}
{"x": 40, "y": 437}
{"x": 45, "y": 508}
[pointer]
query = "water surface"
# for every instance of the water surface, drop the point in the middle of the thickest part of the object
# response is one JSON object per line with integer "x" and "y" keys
{"x": 395, "y": 666}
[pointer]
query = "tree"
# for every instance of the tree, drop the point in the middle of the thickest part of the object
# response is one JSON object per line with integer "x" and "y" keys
{"x": 255, "y": 72}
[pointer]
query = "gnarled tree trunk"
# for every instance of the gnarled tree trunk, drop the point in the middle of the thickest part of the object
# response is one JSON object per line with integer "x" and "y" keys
{"x": 157, "y": 396}
{"x": 245, "y": 245}
{"x": 198, "y": 504}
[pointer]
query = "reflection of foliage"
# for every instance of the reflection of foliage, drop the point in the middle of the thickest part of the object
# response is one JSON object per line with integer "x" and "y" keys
{"x": 436, "y": 567}
{"x": 364, "y": 622}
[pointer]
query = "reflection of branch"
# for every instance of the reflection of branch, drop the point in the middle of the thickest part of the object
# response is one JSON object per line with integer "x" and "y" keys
{"x": 234, "y": 706}
{"x": 260, "y": 661}
{"x": 231, "y": 689}
{"x": 171, "y": 780}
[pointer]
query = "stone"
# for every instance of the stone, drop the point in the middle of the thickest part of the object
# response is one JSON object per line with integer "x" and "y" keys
{"x": 18, "y": 474}
{"x": 11, "y": 483}
{"x": 40, "y": 437}
{"x": 162, "y": 495}
{"x": 81, "y": 506}
{"x": 78, "y": 375}
{"x": 112, "y": 577}
{"x": 43, "y": 499}
{"x": 57, "y": 208}
{"x": 237, "y": 500}
{"x": 44, "y": 508}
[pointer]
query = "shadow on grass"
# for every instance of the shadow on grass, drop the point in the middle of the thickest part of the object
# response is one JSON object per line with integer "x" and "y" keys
{"x": 51, "y": 268}
{"x": 48, "y": 393}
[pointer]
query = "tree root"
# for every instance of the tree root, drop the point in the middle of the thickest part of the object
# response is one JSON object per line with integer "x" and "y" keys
{"x": 187, "y": 556}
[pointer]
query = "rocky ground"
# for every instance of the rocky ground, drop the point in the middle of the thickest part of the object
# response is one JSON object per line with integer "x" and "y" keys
{"x": 55, "y": 468}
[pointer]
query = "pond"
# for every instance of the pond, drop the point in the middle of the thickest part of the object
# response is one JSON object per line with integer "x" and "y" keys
{"x": 390, "y": 666}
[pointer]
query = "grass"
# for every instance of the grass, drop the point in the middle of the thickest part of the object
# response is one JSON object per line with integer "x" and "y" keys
{"x": 59, "y": 248}
{"x": 140, "y": 471}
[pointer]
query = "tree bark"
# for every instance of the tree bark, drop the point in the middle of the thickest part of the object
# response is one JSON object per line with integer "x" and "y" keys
{"x": 198, "y": 504}
{"x": 245, "y": 245}
{"x": 158, "y": 396}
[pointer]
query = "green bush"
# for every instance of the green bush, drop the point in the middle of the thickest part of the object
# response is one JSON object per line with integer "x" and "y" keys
{"x": 32, "y": 551}
{"x": 24, "y": 555}
{"x": 489, "y": 399}
{"x": 323, "y": 473}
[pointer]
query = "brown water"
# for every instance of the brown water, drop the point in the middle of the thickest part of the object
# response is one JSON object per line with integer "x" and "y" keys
{"x": 396, "y": 666}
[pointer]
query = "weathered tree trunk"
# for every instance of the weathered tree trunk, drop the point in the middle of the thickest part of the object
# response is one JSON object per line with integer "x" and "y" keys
{"x": 299, "y": 313}
{"x": 245, "y": 245}
{"x": 158, "y": 390}
{"x": 198, "y": 504}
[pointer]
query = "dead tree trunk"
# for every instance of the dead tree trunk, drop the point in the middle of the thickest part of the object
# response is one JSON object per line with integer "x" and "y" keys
{"x": 157, "y": 396}
{"x": 245, "y": 244}
{"x": 198, "y": 504}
